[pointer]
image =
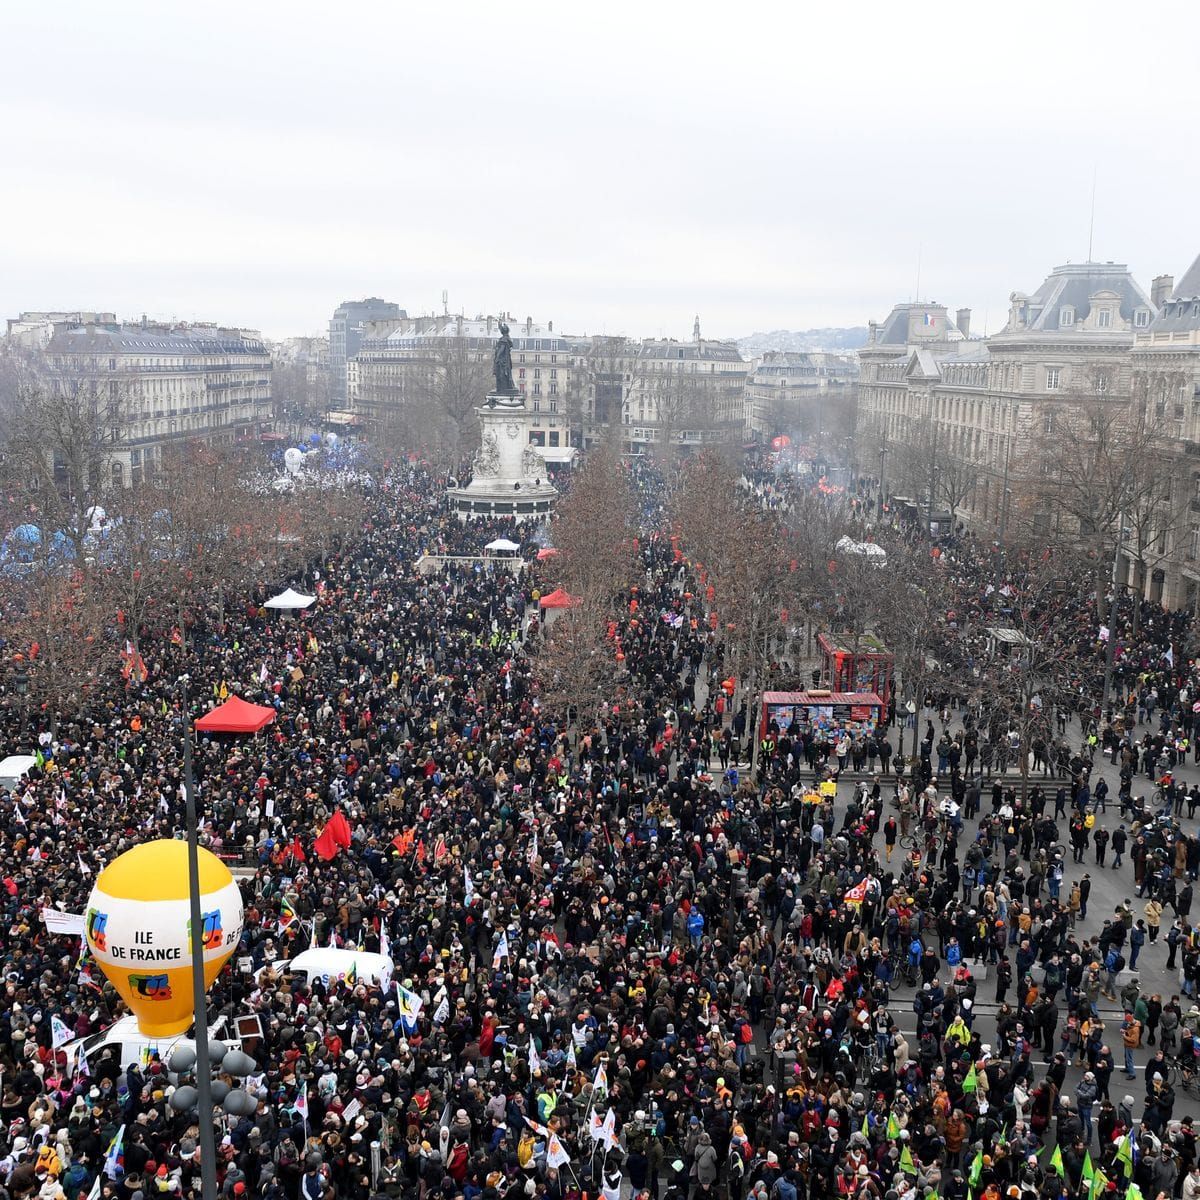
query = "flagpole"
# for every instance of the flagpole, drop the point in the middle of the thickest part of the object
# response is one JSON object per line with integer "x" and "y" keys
{"x": 204, "y": 1104}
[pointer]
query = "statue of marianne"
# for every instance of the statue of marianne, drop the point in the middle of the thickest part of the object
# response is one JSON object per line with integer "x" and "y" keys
{"x": 502, "y": 362}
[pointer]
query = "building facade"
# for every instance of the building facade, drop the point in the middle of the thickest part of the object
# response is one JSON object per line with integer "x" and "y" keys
{"x": 1166, "y": 391}
{"x": 423, "y": 377}
{"x": 685, "y": 394}
{"x": 975, "y": 426}
{"x": 800, "y": 394}
{"x": 164, "y": 384}
{"x": 346, "y": 327}
{"x": 301, "y": 384}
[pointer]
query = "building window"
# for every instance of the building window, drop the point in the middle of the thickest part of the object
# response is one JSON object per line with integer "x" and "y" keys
{"x": 1053, "y": 379}
{"x": 1066, "y": 316}
{"x": 553, "y": 437}
{"x": 1104, "y": 318}
{"x": 1141, "y": 318}
{"x": 1101, "y": 383}
{"x": 1048, "y": 422}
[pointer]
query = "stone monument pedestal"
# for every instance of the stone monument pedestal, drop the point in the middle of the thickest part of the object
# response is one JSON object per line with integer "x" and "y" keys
{"x": 509, "y": 475}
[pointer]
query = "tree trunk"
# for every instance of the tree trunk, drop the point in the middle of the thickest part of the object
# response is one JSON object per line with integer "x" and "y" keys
{"x": 1137, "y": 607}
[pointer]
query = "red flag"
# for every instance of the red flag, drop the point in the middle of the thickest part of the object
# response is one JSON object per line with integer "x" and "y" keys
{"x": 341, "y": 829}
{"x": 326, "y": 845}
{"x": 297, "y": 851}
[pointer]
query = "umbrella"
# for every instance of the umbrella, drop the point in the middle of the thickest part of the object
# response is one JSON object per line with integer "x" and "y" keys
{"x": 289, "y": 600}
{"x": 503, "y": 545}
{"x": 236, "y": 716}
{"x": 559, "y": 599}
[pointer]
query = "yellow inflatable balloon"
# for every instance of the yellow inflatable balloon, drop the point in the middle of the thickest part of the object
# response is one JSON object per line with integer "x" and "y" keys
{"x": 139, "y": 929}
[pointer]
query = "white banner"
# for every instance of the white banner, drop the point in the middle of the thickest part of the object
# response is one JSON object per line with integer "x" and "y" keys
{"x": 68, "y": 924}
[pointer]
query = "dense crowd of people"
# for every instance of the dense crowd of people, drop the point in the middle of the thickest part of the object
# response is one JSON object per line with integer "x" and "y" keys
{"x": 642, "y": 968}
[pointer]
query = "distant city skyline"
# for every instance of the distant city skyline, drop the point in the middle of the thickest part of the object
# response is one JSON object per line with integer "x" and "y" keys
{"x": 671, "y": 171}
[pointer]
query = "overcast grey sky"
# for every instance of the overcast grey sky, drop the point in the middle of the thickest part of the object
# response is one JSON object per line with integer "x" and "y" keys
{"x": 613, "y": 167}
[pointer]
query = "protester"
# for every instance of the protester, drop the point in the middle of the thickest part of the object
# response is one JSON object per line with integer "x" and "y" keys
{"x": 613, "y": 971}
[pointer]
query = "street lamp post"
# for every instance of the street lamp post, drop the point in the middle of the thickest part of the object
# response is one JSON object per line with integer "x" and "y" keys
{"x": 21, "y": 686}
{"x": 1004, "y": 495}
{"x": 1110, "y": 649}
{"x": 204, "y": 1104}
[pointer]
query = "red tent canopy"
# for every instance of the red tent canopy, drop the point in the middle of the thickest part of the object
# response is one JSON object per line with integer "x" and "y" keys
{"x": 559, "y": 599}
{"x": 546, "y": 552}
{"x": 236, "y": 716}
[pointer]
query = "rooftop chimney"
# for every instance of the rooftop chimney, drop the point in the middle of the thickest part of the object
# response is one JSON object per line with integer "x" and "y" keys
{"x": 962, "y": 318}
{"x": 528, "y": 326}
{"x": 1161, "y": 288}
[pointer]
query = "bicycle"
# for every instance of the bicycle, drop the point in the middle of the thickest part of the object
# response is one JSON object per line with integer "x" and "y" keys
{"x": 909, "y": 841}
{"x": 1187, "y": 1077}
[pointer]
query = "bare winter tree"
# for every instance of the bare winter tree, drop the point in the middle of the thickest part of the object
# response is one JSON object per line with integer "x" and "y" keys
{"x": 747, "y": 555}
{"x": 1018, "y": 692}
{"x": 1101, "y": 472}
{"x": 594, "y": 529}
{"x": 63, "y": 635}
{"x": 461, "y": 378}
{"x": 58, "y": 447}
{"x": 212, "y": 527}
{"x": 300, "y": 396}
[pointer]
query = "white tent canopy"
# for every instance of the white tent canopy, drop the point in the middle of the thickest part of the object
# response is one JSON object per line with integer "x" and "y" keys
{"x": 289, "y": 600}
{"x": 503, "y": 545}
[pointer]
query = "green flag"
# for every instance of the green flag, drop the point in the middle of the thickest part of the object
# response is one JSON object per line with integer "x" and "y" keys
{"x": 1056, "y": 1162}
{"x": 1088, "y": 1169}
{"x": 972, "y": 1080}
{"x": 976, "y": 1169}
{"x": 1133, "y": 1192}
{"x": 893, "y": 1126}
{"x": 866, "y": 1129}
{"x": 906, "y": 1161}
{"x": 1098, "y": 1184}
{"x": 1124, "y": 1154}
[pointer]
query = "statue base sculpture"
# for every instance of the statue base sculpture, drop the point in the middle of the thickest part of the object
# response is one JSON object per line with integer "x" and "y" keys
{"x": 509, "y": 478}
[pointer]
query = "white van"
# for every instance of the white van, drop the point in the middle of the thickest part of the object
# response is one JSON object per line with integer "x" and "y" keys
{"x": 327, "y": 964}
{"x": 130, "y": 1044}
